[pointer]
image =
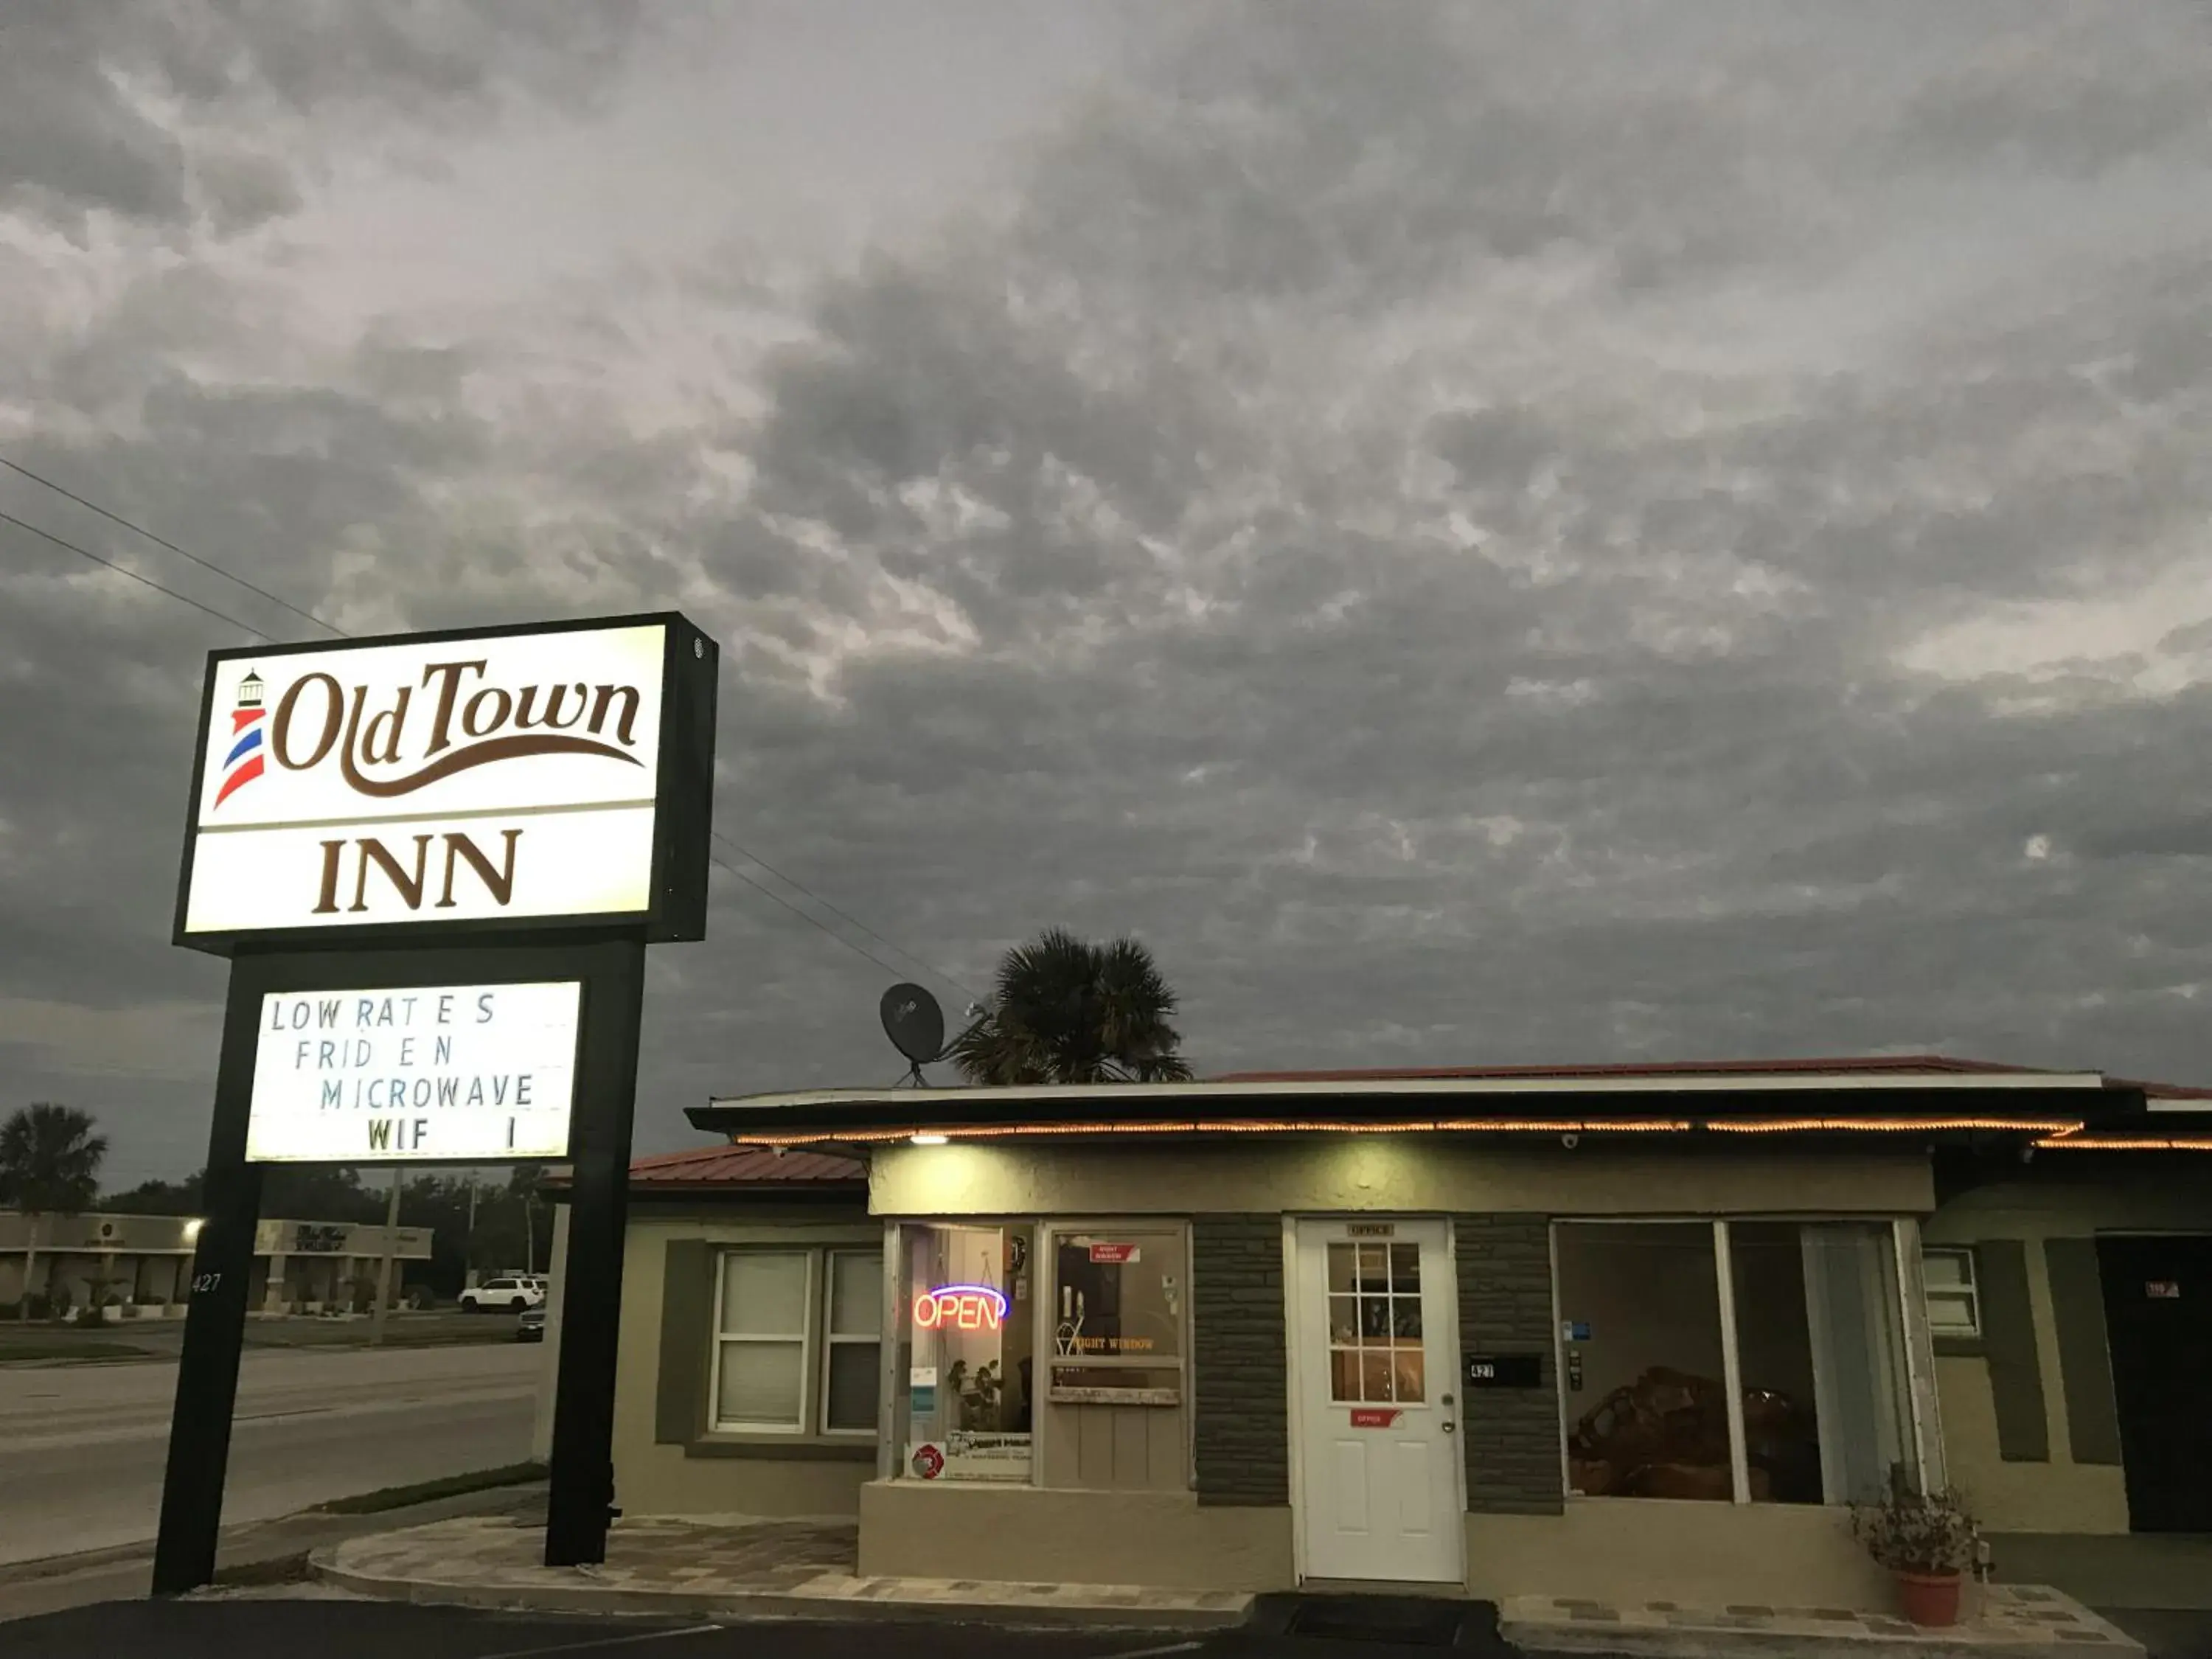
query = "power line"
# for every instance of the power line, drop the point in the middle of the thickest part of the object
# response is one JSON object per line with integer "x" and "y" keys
{"x": 921, "y": 962}
{"x": 124, "y": 570}
{"x": 812, "y": 921}
{"x": 160, "y": 541}
{"x": 310, "y": 616}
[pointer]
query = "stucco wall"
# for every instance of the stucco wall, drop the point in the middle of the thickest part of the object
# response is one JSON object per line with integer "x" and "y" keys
{"x": 2058, "y": 1197}
{"x": 1607, "y": 1550}
{"x": 650, "y": 1479}
{"x": 938, "y": 1529}
{"x": 1637, "y": 1550}
{"x": 1390, "y": 1172}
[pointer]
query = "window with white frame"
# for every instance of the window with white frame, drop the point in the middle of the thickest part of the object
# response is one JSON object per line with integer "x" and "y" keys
{"x": 851, "y": 1370}
{"x": 1954, "y": 1303}
{"x": 796, "y": 1342}
{"x": 1752, "y": 1361}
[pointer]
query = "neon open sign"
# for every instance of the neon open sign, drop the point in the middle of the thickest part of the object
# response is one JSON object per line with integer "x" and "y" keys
{"x": 962, "y": 1307}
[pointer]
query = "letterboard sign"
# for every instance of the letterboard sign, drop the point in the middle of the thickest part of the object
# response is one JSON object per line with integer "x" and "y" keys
{"x": 1504, "y": 1371}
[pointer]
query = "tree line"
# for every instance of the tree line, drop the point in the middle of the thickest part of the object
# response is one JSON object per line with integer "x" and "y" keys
{"x": 51, "y": 1156}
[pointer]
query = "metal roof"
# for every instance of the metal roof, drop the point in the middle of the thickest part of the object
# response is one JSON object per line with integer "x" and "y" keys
{"x": 743, "y": 1166}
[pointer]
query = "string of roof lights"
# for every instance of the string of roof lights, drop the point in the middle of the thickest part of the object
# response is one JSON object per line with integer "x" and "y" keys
{"x": 2054, "y": 1131}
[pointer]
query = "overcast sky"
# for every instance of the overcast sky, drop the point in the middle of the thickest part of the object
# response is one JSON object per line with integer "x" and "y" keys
{"x": 1498, "y": 532}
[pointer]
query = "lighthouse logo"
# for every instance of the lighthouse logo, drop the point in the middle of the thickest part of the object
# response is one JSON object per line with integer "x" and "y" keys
{"x": 244, "y": 762}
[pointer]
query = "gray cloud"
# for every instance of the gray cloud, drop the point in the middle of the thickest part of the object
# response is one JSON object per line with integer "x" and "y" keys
{"x": 181, "y": 112}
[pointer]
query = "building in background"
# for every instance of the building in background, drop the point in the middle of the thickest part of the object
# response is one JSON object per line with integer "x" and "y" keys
{"x": 139, "y": 1267}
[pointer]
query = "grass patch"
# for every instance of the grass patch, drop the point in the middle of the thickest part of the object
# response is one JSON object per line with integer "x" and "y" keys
{"x": 278, "y": 1570}
{"x": 66, "y": 1348}
{"x": 423, "y": 1491}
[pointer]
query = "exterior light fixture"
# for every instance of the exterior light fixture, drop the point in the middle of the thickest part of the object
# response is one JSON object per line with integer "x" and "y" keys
{"x": 928, "y": 1140}
{"x": 192, "y": 1229}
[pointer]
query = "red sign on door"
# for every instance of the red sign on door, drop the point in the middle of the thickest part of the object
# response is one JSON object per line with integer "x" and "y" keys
{"x": 1374, "y": 1417}
{"x": 1114, "y": 1253}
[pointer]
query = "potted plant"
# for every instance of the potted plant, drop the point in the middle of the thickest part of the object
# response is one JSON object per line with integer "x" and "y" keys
{"x": 1926, "y": 1540}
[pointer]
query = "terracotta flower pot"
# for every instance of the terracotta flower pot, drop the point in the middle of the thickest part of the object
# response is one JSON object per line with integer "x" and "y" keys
{"x": 1930, "y": 1599}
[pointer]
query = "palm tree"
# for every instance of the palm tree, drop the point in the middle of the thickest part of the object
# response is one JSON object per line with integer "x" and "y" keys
{"x": 49, "y": 1164}
{"x": 1070, "y": 1011}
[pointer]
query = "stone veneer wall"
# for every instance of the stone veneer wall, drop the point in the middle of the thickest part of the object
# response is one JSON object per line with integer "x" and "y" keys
{"x": 1241, "y": 1430}
{"x": 1511, "y": 1435}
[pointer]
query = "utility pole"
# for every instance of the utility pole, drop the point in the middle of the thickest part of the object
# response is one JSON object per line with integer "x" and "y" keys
{"x": 384, "y": 1268}
{"x": 468, "y": 1244}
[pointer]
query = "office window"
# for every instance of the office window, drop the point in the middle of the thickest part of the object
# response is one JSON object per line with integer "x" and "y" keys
{"x": 796, "y": 1342}
{"x": 1954, "y": 1306}
{"x": 1758, "y": 1361}
{"x": 966, "y": 1313}
{"x": 1647, "y": 1407}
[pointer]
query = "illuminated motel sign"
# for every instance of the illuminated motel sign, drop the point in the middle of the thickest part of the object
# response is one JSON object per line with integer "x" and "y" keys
{"x": 960, "y": 1307}
{"x": 431, "y": 785}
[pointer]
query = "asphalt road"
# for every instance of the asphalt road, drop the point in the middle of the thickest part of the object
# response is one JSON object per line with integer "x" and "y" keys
{"x": 367, "y": 1629}
{"x": 82, "y": 1447}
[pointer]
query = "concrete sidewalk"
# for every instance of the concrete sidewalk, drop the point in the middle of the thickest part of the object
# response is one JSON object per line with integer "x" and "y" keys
{"x": 273, "y": 1548}
{"x": 732, "y": 1568}
{"x": 2011, "y": 1622}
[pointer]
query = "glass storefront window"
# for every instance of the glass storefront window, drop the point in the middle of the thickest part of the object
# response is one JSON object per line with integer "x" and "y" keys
{"x": 1640, "y": 1318}
{"x": 965, "y": 1314}
{"x": 1811, "y": 1329}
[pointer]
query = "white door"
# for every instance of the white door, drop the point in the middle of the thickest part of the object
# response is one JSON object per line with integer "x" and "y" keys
{"x": 1378, "y": 1418}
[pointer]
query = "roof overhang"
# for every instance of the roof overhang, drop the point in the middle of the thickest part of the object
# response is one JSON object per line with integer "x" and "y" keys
{"x": 1735, "y": 1106}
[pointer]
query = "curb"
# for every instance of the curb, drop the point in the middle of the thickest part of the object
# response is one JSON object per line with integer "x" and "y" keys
{"x": 830, "y": 1597}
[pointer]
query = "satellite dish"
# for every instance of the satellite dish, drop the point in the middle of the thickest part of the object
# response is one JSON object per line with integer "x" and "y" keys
{"x": 914, "y": 1023}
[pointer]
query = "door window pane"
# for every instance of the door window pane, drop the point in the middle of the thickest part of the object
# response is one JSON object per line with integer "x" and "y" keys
{"x": 1344, "y": 1376}
{"x": 1648, "y": 1417}
{"x": 1374, "y": 1374}
{"x": 1405, "y": 1267}
{"x": 1408, "y": 1376}
{"x": 1376, "y": 1337}
{"x": 760, "y": 1385}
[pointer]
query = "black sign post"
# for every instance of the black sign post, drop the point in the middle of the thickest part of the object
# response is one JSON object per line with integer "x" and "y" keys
{"x": 215, "y": 1317}
{"x": 603, "y": 953}
{"x": 582, "y": 1502}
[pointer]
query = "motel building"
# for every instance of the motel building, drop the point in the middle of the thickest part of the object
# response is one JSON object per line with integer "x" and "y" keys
{"x": 1622, "y": 1333}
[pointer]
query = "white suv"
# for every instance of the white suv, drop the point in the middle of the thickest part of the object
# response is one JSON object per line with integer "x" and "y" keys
{"x": 511, "y": 1294}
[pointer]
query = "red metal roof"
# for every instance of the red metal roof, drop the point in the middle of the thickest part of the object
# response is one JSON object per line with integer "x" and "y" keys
{"x": 1870, "y": 1064}
{"x": 2164, "y": 1090}
{"x": 741, "y": 1166}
